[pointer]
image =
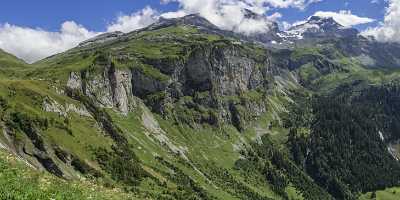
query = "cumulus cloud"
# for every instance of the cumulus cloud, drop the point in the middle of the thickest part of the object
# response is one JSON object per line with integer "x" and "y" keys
{"x": 137, "y": 20}
{"x": 231, "y": 14}
{"x": 301, "y": 4}
{"x": 285, "y": 25}
{"x": 274, "y": 17}
{"x": 177, "y": 14}
{"x": 34, "y": 44}
{"x": 389, "y": 29}
{"x": 345, "y": 17}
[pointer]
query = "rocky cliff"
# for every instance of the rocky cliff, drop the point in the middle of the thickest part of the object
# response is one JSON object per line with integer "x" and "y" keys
{"x": 184, "y": 110}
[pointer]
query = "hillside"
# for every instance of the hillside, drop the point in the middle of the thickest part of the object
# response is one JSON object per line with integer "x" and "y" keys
{"x": 10, "y": 65}
{"x": 184, "y": 110}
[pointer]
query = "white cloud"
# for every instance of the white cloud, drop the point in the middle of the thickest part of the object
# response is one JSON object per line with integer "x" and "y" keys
{"x": 296, "y": 23}
{"x": 301, "y": 4}
{"x": 34, "y": 44}
{"x": 137, "y": 20}
{"x": 230, "y": 14}
{"x": 274, "y": 17}
{"x": 345, "y": 17}
{"x": 285, "y": 25}
{"x": 375, "y": 1}
{"x": 177, "y": 14}
{"x": 389, "y": 30}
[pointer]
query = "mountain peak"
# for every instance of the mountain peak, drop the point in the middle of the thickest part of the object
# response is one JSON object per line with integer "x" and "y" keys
{"x": 320, "y": 27}
{"x": 325, "y": 22}
{"x": 102, "y": 38}
{"x": 320, "y": 20}
{"x": 251, "y": 15}
{"x": 191, "y": 20}
{"x": 205, "y": 25}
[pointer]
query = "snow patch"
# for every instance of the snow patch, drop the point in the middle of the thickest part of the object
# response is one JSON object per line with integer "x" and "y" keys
{"x": 298, "y": 32}
{"x": 392, "y": 152}
{"x": 381, "y": 135}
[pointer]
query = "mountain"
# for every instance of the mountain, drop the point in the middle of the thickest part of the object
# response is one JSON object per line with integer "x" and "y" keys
{"x": 204, "y": 25}
{"x": 320, "y": 27}
{"x": 102, "y": 38}
{"x": 326, "y": 31}
{"x": 191, "y": 20}
{"x": 264, "y": 37}
{"x": 184, "y": 110}
{"x": 10, "y": 65}
{"x": 9, "y": 60}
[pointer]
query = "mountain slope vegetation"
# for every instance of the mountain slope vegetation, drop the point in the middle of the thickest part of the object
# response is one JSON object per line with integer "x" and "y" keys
{"x": 183, "y": 110}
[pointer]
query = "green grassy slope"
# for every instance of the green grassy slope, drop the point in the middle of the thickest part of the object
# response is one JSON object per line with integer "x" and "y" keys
{"x": 147, "y": 155}
{"x": 10, "y": 66}
{"x": 388, "y": 194}
{"x": 204, "y": 164}
{"x": 137, "y": 49}
{"x": 18, "y": 181}
{"x": 79, "y": 134}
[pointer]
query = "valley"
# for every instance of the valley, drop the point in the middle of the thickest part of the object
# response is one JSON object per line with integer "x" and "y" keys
{"x": 184, "y": 110}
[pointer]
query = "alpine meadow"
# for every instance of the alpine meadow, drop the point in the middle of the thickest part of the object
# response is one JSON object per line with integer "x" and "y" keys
{"x": 212, "y": 100}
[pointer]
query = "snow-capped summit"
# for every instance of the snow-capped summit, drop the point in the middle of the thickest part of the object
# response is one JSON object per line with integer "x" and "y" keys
{"x": 324, "y": 22}
{"x": 319, "y": 27}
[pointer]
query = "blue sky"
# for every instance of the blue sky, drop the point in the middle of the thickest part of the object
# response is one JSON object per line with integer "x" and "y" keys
{"x": 362, "y": 8}
{"x": 93, "y": 14}
{"x": 35, "y": 29}
{"x": 96, "y": 14}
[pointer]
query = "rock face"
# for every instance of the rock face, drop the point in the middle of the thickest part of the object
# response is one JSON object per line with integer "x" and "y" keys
{"x": 111, "y": 88}
{"x": 122, "y": 89}
{"x": 50, "y": 105}
{"x": 74, "y": 81}
{"x": 143, "y": 85}
{"x": 221, "y": 74}
{"x": 320, "y": 27}
{"x": 192, "y": 20}
{"x": 223, "y": 71}
{"x": 102, "y": 38}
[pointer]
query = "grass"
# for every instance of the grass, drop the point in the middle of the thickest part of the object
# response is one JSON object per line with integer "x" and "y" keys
{"x": 151, "y": 72}
{"x": 387, "y": 194}
{"x": 211, "y": 152}
{"x": 10, "y": 66}
{"x": 43, "y": 186}
{"x": 85, "y": 136}
{"x": 170, "y": 44}
{"x": 58, "y": 67}
{"x": 301, "y": 52}
{"x": 308, "y": 72}
{"x": 293, "y": 193}
{"x": 350, "y": 72}
{"x": 75, "y": 134}
{"x": 206, "y": 147}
